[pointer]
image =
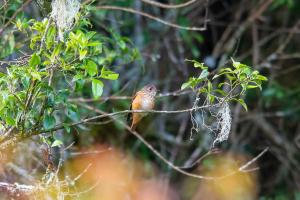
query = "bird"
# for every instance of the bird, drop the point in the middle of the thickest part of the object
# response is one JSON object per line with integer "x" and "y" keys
{"x": 144, "y": 99}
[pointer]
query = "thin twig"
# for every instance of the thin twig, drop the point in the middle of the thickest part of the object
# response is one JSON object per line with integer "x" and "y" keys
{"x": 170, "y": 164}
{"x": 199, "y": 160}
{"x": 89, "y": 152}
{"x": 43, "y": 40}
{"x": 130, "y": 10}
{"x": 83, "y": 172}
{"x": 169, "y": 6}
{"x": 89, "y": 100}
{"x": 129, "y": 111}
{"x": 253, "y": 160}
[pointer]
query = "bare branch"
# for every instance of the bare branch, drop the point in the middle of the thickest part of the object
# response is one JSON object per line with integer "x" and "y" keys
{"x": 130, "y": 111}
{"x": 170, "y": 164}
{"x": 17, "y": 189}
{"x": 253, "y": 160}
{"x": 169, "y": 6}
{"x": 167, "y": 94}
{"x": 130, "y": 10}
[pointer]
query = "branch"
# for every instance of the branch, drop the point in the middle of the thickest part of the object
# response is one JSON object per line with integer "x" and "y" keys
{"x": 14, "y": 140}
{"x": 89, "y": 100}
{"x": 170, "y": 164}
{"x": 129, "y": 111}
{"x": 253, "y": 160}
{"x": 169, "y": 6}
{"x": 130, "y": 10}
{"x": 242, "y": 169}
{"x": 43, "y": 40}
{"x": 17, "y": 189}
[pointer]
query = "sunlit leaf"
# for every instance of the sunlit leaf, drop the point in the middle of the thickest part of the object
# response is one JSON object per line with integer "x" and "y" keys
{"x": 82, "y": 54}
{"x": 97, "y": 88}
{"x": 242, "y": 102}
{"x": 56, "y": 143}
{"x": 34, "y": 60}
{"x": 204, "y": 74}
{"x": 49, "y": 122}
{"x": 91, "y": 68}
{"x": 107, "y": 74}
{"x": 185, "y": 85}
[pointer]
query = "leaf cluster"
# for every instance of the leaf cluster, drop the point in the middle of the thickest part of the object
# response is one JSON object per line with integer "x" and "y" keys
{"x": 232, "y": 83}
{"x": 34, "y": 94}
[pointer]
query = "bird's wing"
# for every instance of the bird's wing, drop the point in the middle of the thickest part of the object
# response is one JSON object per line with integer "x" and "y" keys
{"x": 129, "y": 116}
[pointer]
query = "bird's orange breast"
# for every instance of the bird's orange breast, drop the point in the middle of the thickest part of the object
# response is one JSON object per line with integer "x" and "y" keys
{"x": 141, "y": 101}
{"x": 137, "y": 101}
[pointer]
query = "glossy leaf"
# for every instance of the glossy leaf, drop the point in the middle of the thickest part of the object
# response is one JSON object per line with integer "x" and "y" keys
{"x": 97, "y": 88}
{"x": 34, "y": 60}
{"x": 91, "y": 68}
{"x": 49, "y": 122}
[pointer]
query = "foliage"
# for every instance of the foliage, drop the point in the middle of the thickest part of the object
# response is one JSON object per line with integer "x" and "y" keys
{"x": 241, "y": 77}
{"x": 43, "y": 80}
{"x": 34, "y": 93}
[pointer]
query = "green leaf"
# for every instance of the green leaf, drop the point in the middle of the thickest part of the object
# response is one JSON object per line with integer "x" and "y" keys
{"x": 56, "y": 51}
{"x": 97, "y": 88}
{"x": 2, "y": 74}
{"x": 252, "y": 86}
{"x": 192, "y": 82}
{"x": 242, "y": 102}
{"x": 91, "y": 68}
{"x": 221, "y": 84}
{"x": 93, "y": 44}
{"x": 121, "y": 44}
{"x": 50, "y": 37}
{"x": 203, "y": 90}
{"x": 216, "y": 76}
{"x": 209, "y": 86}
{"x": 73, "y": 113}
{"x": 107, "y": 74}
{"x": 82, "y": 54}
{"x": 220, "y": 92}
{"x": 79, "y": 84}
{"x": 77, "y": 77}
{"x": 239, "y": 65}
{"x": 204, "y": 74}
{"x": 61, "y": 96}
{"x": 198, "y": 64}
{"x": 10, "y": 121}
{"x": 49, "y": 122}
{"x": 227, "y": 69}
{"x": 34, "y": 60}
{"x": 36, "y": 76}
{"x": 261, "y": 77}
{"x": 211, "y": 98}
{"x": 56, "y": 143}
{"x": 67, "y": 128}
{"x": 90, "y": 34}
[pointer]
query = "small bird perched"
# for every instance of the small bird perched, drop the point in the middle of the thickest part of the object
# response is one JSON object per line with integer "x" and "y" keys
{"x": 142, "y": 100}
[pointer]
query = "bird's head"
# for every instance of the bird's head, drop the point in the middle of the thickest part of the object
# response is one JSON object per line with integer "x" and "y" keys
{"x": 150, "y": 89}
